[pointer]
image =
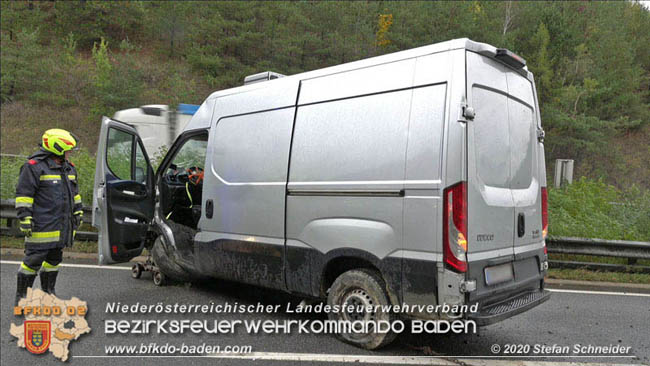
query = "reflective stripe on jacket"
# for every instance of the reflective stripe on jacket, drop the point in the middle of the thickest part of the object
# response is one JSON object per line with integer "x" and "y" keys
{"x": 49, "y": 194}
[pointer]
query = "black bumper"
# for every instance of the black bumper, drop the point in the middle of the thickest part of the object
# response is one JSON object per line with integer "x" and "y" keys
{"x": 504, "y": 309}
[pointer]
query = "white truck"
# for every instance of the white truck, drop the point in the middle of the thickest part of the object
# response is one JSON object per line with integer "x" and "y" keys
{"x": 157, "y": 124}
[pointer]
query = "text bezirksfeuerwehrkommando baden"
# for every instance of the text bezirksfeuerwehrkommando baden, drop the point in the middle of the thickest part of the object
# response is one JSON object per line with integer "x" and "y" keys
{"x": 237, "y": 308}
{"x": 286, "y": 326}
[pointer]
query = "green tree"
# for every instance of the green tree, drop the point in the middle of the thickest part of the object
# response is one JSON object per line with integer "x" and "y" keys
{"x": 541, "y": 64}
{"x": 23, "y": 71}
{"x": 90, "y": 21}
{"x": 115, "y": 85}
{"x": 591, "y": 60}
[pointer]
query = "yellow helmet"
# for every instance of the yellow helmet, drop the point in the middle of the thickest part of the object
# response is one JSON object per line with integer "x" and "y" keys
{"x": 58, "y": 141}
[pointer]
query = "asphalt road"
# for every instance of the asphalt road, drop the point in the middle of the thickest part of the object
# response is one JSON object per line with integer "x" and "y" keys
{"x": 565, "y": 320}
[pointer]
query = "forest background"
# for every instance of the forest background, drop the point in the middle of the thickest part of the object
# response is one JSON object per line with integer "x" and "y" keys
{"x": 66, "y": 64}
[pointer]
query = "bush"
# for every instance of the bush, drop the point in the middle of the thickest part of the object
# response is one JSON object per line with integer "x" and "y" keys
{"x": 594, "y": 209}
{"x": 9, "y": 166}
{"x": 85, "y": 164}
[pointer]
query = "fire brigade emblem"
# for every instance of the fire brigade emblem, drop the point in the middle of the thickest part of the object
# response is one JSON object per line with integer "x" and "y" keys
{"x": 37, "y": 335}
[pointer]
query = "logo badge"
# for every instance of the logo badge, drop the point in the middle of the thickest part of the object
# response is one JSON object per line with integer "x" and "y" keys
{"x": 37, "y": 335}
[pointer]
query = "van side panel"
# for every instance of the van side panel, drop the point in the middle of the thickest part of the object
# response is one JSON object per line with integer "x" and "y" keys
{"x": 356, "y": 143}
{"x": 389, "y": 76}
{"x": 245, "y": 178}
{"x": 249, "y": 161}
{"x": 366, "y": 160}
{"x": 346, "y": 178}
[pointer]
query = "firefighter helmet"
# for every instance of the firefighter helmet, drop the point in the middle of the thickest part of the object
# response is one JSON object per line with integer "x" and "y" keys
{"x": 58, "y": 141}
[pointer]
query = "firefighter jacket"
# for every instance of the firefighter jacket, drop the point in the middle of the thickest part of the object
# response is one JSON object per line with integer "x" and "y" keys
{"x": 48, "y": 193}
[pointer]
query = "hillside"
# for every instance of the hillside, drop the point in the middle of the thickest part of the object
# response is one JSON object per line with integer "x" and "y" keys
{"x": 66, "y": 64}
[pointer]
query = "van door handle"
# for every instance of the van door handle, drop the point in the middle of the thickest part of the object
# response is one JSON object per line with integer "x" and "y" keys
{"x": 209, "y": 209}
{"x": 521, "y": 224}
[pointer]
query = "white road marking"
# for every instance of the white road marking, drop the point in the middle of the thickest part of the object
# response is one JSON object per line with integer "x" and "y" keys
{"x": 314, "y": 357}
{"x": 401, "y": 360}
{"x": 387, "y": 360}
{"x": 599, "y": 292}
{"x": 552, "y": 290}
{"x": 474, "y": 362}
{"x": 76, "y": 265}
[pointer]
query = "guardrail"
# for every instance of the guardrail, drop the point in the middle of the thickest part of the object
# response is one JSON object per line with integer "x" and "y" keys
{"x": 8, "y": 211}
{"x": 631, "y": 250}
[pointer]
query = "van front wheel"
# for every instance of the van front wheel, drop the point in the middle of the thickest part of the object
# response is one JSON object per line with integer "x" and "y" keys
{"x": 354, "y": 293}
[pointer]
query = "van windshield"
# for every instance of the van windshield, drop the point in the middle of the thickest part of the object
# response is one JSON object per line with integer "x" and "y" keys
{"x": 191, "y": 154}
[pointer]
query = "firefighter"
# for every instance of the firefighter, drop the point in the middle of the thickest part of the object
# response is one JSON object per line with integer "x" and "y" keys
{"x": 49, "y": 209}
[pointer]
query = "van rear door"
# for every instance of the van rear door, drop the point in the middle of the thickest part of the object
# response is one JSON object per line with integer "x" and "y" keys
{"x": 123, "y": 195}
{"x": 503, "y": 191}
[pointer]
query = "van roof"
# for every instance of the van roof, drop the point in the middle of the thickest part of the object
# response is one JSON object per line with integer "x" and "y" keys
{"x": 482, "y": 48}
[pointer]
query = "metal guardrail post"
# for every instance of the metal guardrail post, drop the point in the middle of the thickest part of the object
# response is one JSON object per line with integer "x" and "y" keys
{"x": 563, "y": 172}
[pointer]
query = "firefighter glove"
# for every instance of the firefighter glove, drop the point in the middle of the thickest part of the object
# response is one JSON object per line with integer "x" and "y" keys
{"x": 26, "y": 226}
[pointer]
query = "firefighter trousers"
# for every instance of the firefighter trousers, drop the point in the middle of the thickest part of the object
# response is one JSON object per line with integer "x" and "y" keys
{"x": 34, "y": 259}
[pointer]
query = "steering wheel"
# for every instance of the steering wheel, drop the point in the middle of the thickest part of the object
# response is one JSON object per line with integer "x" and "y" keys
{"x": 194, "y": 175}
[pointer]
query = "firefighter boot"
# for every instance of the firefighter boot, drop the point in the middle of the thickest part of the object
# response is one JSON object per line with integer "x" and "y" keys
{"x": 24, "y": 281}
{"x": 48, "y": 281}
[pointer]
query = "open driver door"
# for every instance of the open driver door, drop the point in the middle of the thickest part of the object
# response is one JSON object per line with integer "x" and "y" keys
{"x": 123, "y": 195}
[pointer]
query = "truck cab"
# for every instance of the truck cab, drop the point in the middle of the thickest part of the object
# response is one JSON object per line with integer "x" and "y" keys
{"x": 157, "y": 124}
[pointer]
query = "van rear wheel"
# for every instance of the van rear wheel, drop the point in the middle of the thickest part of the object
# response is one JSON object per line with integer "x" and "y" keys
{"x": 361, "y": 289}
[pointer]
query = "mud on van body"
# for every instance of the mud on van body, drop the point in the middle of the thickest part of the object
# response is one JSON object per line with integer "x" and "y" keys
{"x": 416, "y": 177}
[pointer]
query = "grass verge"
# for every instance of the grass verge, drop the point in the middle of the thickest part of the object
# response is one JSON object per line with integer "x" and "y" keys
{"x": 595, "y": 259}
{"x": 586, "y": 275}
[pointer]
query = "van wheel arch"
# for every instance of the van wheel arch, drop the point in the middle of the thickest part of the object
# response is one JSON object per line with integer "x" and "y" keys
{"x": 338, "y": 265}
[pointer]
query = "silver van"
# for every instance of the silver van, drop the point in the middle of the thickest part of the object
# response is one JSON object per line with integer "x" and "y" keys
{"x": 414, "y": 178}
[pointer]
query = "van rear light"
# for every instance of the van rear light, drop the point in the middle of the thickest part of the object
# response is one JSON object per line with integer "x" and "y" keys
{"x": 454, "y": 231}
{"x": 544, "y": 213}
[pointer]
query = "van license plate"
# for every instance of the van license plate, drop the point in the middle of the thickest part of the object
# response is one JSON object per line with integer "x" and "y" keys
{"x": 498, "y": 274}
